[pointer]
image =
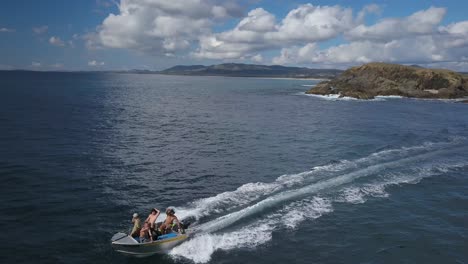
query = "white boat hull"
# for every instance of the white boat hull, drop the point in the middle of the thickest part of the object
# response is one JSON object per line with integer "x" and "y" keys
{"x": 130, "y": 247}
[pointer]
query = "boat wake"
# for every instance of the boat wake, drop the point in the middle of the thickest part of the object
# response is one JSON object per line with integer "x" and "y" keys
{"x": 262, "y": 208}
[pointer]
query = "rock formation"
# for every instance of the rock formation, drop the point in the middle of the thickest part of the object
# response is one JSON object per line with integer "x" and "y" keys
{"x": 373, "y": 79}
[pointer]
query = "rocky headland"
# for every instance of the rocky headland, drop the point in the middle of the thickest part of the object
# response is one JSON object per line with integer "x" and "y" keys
{"x": 383, "y": 79}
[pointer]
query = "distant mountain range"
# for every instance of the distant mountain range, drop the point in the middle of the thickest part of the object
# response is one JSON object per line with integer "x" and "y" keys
{"x": 251, "y": 70}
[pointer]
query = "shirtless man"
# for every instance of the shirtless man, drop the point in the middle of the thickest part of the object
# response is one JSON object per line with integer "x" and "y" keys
{"x": 152, "y": 217}
{"x": 146, "y": 234}
{"x": 167, "y": 224}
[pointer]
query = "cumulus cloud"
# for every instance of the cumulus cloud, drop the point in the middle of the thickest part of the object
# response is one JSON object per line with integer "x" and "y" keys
{"x": 314, "y": 23}
{"x": 40, "y": 30}
{"x": 57, "y": 65}
{"x": 180, "y": 27}
{"x": 369, "y": 9}
{"x": 56, "y": 41}
{"x": 420, "y": 23}
{"x": 95, "y": 63}
{"x": 6, "y": 67}
{"x": 258, "y": 20}
{"x": 418, "y": 49}
{"x": 418, "y": 38}
{"x": 35, "y": 64}
{"x": 3, "y": 29}
{"x": 160, "y": 26}
{"x": 455, "y": 34}
{"x": 257, "y": 58}
{"x": 258, "y": 31}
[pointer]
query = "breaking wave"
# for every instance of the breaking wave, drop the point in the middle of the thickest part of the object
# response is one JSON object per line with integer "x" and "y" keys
{"x": 292, "y": 199}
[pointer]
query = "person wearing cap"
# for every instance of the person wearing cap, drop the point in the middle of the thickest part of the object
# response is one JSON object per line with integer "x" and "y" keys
{"x": 167, "y": 225}
{"x": 136, "y": 225}
{"x": 152, "y": 217}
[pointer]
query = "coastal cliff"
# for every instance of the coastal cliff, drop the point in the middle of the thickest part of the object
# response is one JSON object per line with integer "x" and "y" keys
{"x": 374, "y": 79}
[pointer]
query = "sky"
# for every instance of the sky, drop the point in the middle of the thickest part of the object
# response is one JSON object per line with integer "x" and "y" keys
{"x": 156, "y": 34}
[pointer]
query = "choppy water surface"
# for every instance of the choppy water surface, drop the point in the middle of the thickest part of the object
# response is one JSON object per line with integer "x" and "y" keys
{"x": 269, "y": 174}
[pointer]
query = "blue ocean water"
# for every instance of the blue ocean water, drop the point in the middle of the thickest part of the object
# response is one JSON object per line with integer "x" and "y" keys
{"x": 269, "y": 174}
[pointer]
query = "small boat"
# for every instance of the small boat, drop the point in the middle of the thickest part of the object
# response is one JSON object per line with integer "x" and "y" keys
{"x": 127, "y": 245}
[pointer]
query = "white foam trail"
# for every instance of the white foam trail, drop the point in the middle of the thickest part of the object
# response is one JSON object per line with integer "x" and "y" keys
{"x": 359, "y": 194}
{"x": 297, "y": 212}
{"x": 352, "y": 195}
{"x": 251, "y": 192}
{"x": 274, "y": 200}
{"x": 201, "y": 248}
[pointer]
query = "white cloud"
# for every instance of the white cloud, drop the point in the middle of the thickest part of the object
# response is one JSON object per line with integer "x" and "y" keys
{"x": 95, "y": 63}
{"x": 258, "y": 31}
{"x": 35, "y": 64}
{"x": 159, "y": 26}
{"x": 257, "y": 58}
{"x": 56, "y": 41}
{"x": 418, "y": 38}
{"x": 57, "y": 65}
{"x": 455, "y": 35}
{"x": 40, "y": 30}
{"x": 418, "y": 49}
{"x": 420, "y": 23}
{"x": 460, "y": 28}
{"x": 295, "y": 54}
{"x": 3, "y": 29}
{"x": 258, "y": 20}
{"x": 314, "y": 23}
{"x": 6, "y": 67}
{"x": 369, "y": 9}
{"x": 180, "y": 27}
{"x": 102, "y": 3}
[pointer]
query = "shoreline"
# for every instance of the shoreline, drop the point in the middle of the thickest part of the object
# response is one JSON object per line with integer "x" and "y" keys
{"x": 251, "y": 77}
{"x": 282, "y": 78}
{"x": 336, "y": 97}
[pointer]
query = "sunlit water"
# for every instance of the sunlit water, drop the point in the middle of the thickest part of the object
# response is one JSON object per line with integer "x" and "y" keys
{"x": 269, "y": 174}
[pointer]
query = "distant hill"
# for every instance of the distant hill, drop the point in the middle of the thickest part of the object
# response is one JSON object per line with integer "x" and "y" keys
{"x": 373, "y": 79}
{"x": 251, "y": 70}
{"x": 416, "y": 66}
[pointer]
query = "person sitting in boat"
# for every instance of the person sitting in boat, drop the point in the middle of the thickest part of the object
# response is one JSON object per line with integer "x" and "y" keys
{"x": 167, "y": 225}
{"x": 152, "y": 217}
{"x": 136, "y": 225}
{"x": 145, "y": 233}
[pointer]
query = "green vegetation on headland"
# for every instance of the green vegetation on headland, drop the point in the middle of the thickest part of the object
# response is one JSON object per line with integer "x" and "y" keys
{"x": 374, "y": 79}
{"x": 252, "y": 70}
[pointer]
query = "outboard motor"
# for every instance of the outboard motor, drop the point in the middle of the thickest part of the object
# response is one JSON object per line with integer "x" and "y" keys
{"x": 184, "y": 224}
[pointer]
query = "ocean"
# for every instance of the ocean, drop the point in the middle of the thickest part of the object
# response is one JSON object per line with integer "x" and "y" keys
{"x": 267, "y": 173}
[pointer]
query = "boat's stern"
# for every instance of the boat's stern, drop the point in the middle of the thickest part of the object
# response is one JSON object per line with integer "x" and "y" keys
{"x": 127, "y": 245}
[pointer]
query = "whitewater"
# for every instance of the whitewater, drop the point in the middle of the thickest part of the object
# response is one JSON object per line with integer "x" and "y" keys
{"x": 252, "y": 212}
